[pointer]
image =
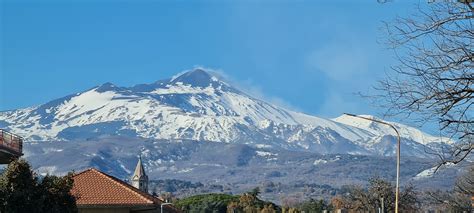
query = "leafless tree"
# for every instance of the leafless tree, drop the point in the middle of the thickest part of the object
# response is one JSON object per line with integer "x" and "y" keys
{"x": 459, "y": 199}
{"x": 359, "y": 199}
{"x": 465, "y": 182}
{"x": 434, "y": 77}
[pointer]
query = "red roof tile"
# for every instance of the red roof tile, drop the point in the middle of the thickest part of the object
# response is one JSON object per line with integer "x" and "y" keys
{"x": 93, "y": 187}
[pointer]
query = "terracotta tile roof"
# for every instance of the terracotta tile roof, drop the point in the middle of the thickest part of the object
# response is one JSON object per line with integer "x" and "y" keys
{"x": 93, "y": 187}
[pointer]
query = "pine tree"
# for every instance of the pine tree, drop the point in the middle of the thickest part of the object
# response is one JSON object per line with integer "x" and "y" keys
{"x": 21, "y": 191}
{"x": 19, "y": 186}
{"x": 56, "y": 193}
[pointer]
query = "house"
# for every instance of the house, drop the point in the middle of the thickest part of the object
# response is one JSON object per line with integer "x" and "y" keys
{"x": 97, "y": 192}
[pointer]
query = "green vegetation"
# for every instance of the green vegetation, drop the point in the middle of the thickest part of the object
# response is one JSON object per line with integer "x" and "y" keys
{"x": 247, "y": 202}
{"x": 206, "y": 203}
{"x": 313, "y": 206}
{"x": 21, "y": 190}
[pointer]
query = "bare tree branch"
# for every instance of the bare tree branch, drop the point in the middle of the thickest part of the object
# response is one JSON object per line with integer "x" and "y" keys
{"x": 434, "y": 77}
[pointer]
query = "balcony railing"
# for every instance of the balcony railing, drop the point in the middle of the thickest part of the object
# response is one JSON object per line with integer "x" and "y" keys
{"x": 11, "y": 142}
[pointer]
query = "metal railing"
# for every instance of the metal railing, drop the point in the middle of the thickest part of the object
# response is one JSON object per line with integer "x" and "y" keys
{"x": 11, "y": 141}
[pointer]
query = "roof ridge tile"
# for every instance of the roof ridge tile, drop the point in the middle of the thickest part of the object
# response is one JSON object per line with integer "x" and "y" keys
{"x": 126, "y": 186}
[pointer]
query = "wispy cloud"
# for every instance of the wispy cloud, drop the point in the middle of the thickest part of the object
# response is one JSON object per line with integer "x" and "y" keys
{"x": 336, "y": 104}
{"x": 249, "y": 87}
{"x": 339, "y": 60}
{"x": 253, "y": 89}
{"x": 351, "y": 65}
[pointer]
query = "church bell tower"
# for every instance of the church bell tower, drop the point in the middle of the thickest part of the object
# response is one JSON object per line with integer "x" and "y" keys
{"x": 139, "y": 178}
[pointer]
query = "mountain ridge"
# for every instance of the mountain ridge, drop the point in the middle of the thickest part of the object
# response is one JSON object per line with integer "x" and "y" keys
{"x": 198, "y": 105}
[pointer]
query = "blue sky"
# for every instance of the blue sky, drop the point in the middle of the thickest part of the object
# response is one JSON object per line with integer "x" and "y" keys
{"x": 311, "y": 56}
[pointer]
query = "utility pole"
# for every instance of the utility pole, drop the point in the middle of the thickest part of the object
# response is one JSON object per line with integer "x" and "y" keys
{"x": 397, "y": 190}
{"x": 383, "y": 207}
{"x": 164, "y": 204}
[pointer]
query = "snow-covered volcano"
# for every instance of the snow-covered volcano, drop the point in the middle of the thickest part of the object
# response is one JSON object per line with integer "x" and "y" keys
{"x": 199, "y": 105}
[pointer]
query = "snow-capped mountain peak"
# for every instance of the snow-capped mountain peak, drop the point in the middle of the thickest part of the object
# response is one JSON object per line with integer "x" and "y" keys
{"x": 107, "y": 87}
{"x": 198, "y": 105}
{"x": 197, "y": 78}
